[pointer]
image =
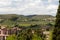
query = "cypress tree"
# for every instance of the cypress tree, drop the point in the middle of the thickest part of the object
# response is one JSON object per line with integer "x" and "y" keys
{"x": 56, "y": 32}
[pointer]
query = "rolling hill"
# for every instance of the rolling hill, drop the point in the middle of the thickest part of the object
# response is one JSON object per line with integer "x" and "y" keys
{"x": 12, "y": 19}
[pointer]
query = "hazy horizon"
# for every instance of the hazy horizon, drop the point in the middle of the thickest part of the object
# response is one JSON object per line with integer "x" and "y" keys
{"x": 29, "y": 7}
{"x": 27, "y": 15}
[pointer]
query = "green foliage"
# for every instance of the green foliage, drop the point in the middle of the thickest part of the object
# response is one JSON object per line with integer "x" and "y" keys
{"x": 25, "y": 35}
{"x": 11, "y": 37}
{"x": 14, "y": 18}
{"x": 49, "y": 24}
{"x": 56, "y": 33}
{"x": 36, "y": 37}
{"x": 28, "y": 35}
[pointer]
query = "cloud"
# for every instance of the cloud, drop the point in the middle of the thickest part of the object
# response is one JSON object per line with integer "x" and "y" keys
{"x": 52, "y": 7}
{"x": 28, "y": 7}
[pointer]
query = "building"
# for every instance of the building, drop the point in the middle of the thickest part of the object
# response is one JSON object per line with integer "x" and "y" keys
{"x": 5, "y": 32}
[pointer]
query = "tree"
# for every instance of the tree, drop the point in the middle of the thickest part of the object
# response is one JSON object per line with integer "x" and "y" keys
{"x": 25, "y": 35}
{"x": 28, "y": 35}
{"x": 14, "y": 18}
{"x": 56, "y": 32}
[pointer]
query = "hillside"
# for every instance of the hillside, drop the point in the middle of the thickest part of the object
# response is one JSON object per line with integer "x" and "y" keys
{"x": 12, "y": 19}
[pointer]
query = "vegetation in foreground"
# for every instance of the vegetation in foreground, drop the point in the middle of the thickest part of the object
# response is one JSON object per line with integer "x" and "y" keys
{"x": 56, "y": 33}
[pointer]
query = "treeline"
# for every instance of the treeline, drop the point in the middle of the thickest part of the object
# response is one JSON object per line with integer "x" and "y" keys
{"x": 56, "y": 32}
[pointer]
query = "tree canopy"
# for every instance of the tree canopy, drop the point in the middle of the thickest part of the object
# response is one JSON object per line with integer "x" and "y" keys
{"x": 56, "y": 33}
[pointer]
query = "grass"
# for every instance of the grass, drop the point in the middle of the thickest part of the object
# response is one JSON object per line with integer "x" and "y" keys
{"x": 24, "y": 24}
{"x": 50, "y": 38}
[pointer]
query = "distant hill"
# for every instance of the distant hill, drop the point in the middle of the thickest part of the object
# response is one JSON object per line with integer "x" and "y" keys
{"x": 40, "y": 16}
{"x": 33, "y": 19}
{"x": 7, "y": 16}
{"x": 22, "y": 17}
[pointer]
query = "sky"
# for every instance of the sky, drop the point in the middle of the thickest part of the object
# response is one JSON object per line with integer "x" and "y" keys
{"x": 29, "y": 7}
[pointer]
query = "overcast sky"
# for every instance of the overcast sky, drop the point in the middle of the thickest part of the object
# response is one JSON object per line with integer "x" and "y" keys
{"x": 28, "y": 7}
